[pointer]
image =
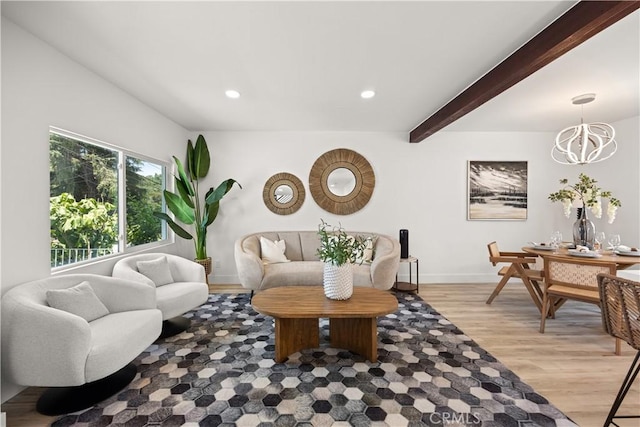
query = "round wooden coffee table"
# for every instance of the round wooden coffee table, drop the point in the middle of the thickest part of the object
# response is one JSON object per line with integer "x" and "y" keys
{"x": 352, "y": 323}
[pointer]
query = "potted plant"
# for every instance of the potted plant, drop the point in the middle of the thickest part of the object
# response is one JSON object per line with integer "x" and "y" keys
{"x": 588, "y": 194}
{"x": 188, "y": 205}
{"x": 338, "y": 250}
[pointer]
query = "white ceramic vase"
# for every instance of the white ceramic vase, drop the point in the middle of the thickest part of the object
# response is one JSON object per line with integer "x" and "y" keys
{"x": 338, "y": 281}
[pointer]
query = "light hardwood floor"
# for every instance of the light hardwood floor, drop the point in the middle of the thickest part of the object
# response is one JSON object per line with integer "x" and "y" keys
{"x": 572, "y": 364}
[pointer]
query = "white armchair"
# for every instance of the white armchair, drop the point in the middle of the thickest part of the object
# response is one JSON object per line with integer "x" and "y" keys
{"x": 85, "y": 361}
{"x": 184, "y": 290}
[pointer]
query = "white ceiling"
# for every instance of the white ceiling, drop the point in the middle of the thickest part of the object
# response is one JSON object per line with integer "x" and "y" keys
{"x": 301, "y": 65}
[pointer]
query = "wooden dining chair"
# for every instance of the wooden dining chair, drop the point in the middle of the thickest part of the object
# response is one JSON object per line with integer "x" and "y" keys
{"x": 621, "y": 319}
{"x": 572, "y": 279}
{"x": 519, "y": 267}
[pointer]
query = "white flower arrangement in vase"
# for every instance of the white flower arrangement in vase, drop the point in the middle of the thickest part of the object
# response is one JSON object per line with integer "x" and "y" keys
{"x": 589, "y": 194}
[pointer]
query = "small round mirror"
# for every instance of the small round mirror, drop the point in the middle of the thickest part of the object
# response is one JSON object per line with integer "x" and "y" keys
{"x": 341, "y": 181}
{"x": 283, "y": 194}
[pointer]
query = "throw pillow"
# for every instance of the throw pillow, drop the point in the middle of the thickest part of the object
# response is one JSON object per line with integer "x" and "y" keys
{"x": 367, "y": 252}
{"x": 272, "y": 252}
{"x": 157, "y": 270}
{"x": 367, "y": 255}
{"x": 80, "y": 300}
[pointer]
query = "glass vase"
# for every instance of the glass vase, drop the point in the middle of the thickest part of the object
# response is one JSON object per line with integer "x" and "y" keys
{"x": 584, "y": 231}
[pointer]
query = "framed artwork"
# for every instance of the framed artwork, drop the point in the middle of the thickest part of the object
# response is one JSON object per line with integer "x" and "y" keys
{"x": 497, "y": 190}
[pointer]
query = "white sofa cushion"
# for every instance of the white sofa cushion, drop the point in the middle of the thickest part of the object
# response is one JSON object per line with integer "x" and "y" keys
{"x": 118, "y": 339}
{"x": 272, "y": 252}
{"x": 157, "y": 270}
{"x": 177, "y": 298}
{"x": 80, "y": 300}
{"x": 294, "y": 273}
{"x": 305, "y": 273}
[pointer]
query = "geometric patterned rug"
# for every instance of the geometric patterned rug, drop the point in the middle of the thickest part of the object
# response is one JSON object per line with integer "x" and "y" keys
{"x": 221, "y": 372}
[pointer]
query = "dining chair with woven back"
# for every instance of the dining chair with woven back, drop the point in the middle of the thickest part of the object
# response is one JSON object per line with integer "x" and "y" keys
{"x": 621, "y": 319}
{"x": 572, "y": 279}
{"x": 518, "y": 267}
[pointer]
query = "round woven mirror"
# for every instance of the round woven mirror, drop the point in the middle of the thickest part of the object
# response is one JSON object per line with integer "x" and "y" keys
{"x": 283, "y": 193}
{"x": 341, "y": 181}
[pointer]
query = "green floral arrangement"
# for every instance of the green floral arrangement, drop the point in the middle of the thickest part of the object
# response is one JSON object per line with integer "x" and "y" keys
{"x": 586, "y": 191}
{"x": 337, "y": 247}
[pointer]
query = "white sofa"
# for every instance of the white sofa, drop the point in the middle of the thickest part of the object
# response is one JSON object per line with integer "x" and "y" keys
{"x": 305, "y": 268}
{"x": 50, "y": 347}
{"x": 187, "y": 290}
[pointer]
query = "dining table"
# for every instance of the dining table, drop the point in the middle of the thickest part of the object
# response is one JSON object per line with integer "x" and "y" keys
{"x": 622, "y": 261}
{"x": 607, "y": 256}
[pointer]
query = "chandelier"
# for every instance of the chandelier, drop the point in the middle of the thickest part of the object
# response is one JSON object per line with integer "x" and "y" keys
{"x": 586, "y": 142}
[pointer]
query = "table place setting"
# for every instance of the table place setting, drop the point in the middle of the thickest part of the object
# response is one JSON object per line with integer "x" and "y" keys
{"x": 541, "y": 246}
{"x": 626, "y": 251}
{"x": 555, "y": 242}
{"x": 584, "y": 251}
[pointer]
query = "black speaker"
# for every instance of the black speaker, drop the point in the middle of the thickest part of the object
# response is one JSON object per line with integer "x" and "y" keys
{"x": 404, "y": 243}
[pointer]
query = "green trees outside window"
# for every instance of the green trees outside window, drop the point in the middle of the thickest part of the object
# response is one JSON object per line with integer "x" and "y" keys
{"x": 84, "y": 205}
{"x": 144, "y": 185}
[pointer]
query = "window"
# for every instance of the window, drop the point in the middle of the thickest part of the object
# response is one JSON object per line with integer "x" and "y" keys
{"x": 144, "y": 186}
{"x": 93, "y": 198}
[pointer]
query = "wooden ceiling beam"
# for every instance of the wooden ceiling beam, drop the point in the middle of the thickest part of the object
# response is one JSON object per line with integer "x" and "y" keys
{"x": 578, "y": 24}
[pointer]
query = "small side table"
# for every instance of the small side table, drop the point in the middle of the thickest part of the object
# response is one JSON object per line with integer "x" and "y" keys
{"x": 409, "y": 286}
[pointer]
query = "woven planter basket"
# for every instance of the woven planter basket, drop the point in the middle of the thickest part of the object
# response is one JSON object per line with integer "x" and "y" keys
{"x": 206, "y": 263}
{"x": 338, "y": 281}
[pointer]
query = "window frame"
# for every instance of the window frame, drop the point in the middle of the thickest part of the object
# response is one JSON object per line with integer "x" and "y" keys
{"x": 121, "y": 171}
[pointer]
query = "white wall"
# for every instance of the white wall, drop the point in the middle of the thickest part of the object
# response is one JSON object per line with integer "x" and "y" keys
{"x": 42, "y": 88}
{"x": 421, "y": 187}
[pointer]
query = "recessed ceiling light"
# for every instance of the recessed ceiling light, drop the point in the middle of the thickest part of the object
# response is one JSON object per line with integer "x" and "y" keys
{"x": 233, "y": 94}
{"x": 367, "y": 94}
